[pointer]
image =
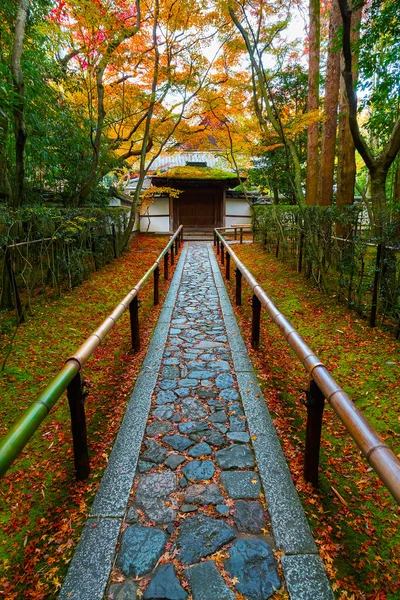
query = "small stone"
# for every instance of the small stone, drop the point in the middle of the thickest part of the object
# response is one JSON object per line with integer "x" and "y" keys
{"x": 167, "y": 384}
{"x": 238, "y": 436}
{"x": 190, "y": 382}
{"x": 170, "y": 528}
{"x": 165, "y": 585}
{"x": 207, "y": 393}
{"x": 174, "y": 460}
{"x": 185, "y": 508}
{"x": 144, "y": 466}
{"x": 171, "y": 361}
{"x": 152, "y": 493}
{"x": 123, "y": 591}
{"x": 193, "y": 409}
{"x": 132, "y": 516}
{"x": 203, "y": 494}
{"x": 182, "y": 392}
{"x": 141, "y": 547}
{"x": 183, "y": 482}
{"x": 249, "y": 516}
{"x": 201, "y": 536}
{"x": 202, "y": 449}
{"x": 192, "y": 426}
{"x": 165, "y": 397}
{"x": 241, "y": 484}
{"x": 218, "y": 417}
{"x": 220, "y": 365}
{"x": 177, "y": 442}
{"x": 158, "y": 428}
{"x": 229, "y": 394}
{"x": 224, "y": 380}
{"x": 236, "y": 409}
{"x": 199, "y": 470}
{"x": 252, "y": 563}
{"x": 206, "y": 582}
{"x": 236, "y": 456}
{"x": 194, "y": 437}
{"x": 163, "y": 412}
{"x": 222, "y": 428}
{"x": 214, "y": 438}
{"x": 170, "y": 372}
{"x": 237, "y": 424}
{"x": 176, "y": 418}
{"x": 201, "y": 374}
{"x": 154, "y": 453}
{"x": 222, "y": 509}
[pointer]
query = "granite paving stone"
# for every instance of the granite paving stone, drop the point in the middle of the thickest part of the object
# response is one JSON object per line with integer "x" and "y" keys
{"x": 165, "y": 585}
{"x": 252, "y": 563}
{"x": 206, "y": 582}
{"x": 141, "y": 547}
{"x": 201, "y": 536}
{"x": 198, "y": 448}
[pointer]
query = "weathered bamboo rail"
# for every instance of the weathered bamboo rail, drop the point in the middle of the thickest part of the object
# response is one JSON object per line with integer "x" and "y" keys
{"x": 322, "y": 385}
{"x": 69, "y": 377}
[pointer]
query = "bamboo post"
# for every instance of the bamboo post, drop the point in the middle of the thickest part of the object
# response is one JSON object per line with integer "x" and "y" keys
{"x": 222, "y": 255}
{"x": 238, "y": 287}
{"x": 315, "y": 408}
{"x": 228, "y": 265}
{"x": 156, "y": 278}
{"x": 135, "y": 332}
{"x": 172, "y": 254}
{"x": 78, "y": 425}
{"x": 255, "y": 323}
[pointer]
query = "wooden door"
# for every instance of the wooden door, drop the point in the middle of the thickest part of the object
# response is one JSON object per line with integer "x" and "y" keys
{"x": 198, "y": 209}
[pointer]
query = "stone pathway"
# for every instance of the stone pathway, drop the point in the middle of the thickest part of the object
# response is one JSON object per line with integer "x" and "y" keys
{"x": 197, "y": 492}
{"x": 180, "y": 512}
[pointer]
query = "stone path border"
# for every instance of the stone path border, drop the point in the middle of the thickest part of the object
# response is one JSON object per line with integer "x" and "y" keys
{"x": 92, "y": 561}
{"x": 90, "y": 568}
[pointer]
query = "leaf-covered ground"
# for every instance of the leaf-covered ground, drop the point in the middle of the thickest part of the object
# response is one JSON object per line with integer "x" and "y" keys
{"x": 42, "y": 507}
{"x": 354, "y": 519}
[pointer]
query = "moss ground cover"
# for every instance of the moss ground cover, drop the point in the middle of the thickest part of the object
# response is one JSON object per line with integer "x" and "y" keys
{"x": 354, "y": 519}
{"x": 42, "y": 507}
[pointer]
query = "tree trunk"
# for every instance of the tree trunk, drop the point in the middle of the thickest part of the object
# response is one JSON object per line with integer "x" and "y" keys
{"x": 346, "y": 168}
{"x": 5, "y": 188}
{"x": 327, "y": 164}
{"x": 19, "y": 104}
{"x": 313, "y": 103}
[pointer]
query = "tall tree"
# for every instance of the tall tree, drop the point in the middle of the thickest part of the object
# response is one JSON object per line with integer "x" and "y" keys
{"x": 313, "y": 101}
{"x": 346, "y": 163}
{"x": 332, "y": 80}
{"x": 19, "y": 104}
{"x": 378, "y": 165}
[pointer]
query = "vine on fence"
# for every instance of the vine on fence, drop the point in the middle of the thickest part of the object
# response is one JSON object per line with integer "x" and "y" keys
{"x": 45, "y": 250}
{"x": 337, "y": 251}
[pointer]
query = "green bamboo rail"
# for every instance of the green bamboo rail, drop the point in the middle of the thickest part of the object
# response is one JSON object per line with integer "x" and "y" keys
{"x": 68, "y": 378}
{"x": 322, "y": 385}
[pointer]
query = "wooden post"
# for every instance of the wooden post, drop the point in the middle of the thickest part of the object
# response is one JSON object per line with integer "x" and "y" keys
{"x": 315, "y": 408}
{"x": 228, "y": 265}
{"x": 300, "y": 261}
{"x": 114, "y": 241}
{"x": 255, "y": 323}
{"x": 215, "y": 238}
{"x": 218, "y": 245}
{"x": 14, "y": 287}
{"x": 176, "y": 245}
{"x": 135, "y": 332}
{"x": 238, "y": 288}
{"x": 375, "y": 289}
{"x": 172, "y": 254}
{"x": 241, "y": 235}
{"x": 166, "y": 266}
{"x": 235, "y": 235}
{"x": 78, "y": 425}
{"x": 156, "y": 277}
{"x": 222, "y": 255}
{"x": 277, "y": 248}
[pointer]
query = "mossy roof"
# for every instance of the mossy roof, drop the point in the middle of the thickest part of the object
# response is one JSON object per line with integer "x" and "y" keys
{"x": 189, "y": 172}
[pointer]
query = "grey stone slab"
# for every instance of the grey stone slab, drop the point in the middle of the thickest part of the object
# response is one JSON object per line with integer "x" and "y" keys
{"x": 241, "y": 484}
{"x": 206, "y": 582}
{"x": 306, "y": 578}
{"x": 290, "y": 527}
{"x": 92, "y": 562}
{"x": 113, "y": 494}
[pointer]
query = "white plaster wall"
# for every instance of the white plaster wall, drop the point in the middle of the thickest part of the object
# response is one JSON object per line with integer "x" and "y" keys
{"x": 237, "y": 211}
{"x": 158, "y": 224}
